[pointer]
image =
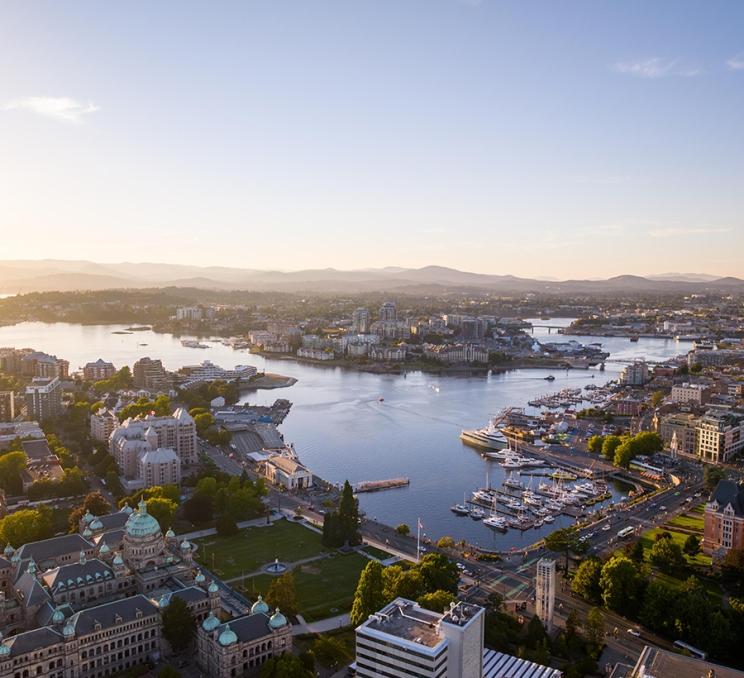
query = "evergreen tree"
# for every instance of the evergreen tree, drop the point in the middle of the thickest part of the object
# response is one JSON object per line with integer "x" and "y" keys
{"x": 179, "y": 627}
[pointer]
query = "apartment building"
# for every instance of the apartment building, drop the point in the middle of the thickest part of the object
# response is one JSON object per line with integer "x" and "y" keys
{"x": 635, "y": 374}
{"x": 724, "y": 519}
{"x": 188, "y": 313}
{"x": 150, "y": 375}
{"x": 38, "y": 364}
{"x": 457, "y": 353}
{"x": 44, "y": 398}
{"x": 7, "y": 406}
{"x": 720, "y": 435}
{"x": 102, "y": 424}
{"x": 405, "y": 639}
{"x": 683, "y": 394}
{"x": 208, "y": 371}
{"x": 360, "y": 321}
{"x": 135, "y": 437}
{"x": 98, "y": 370}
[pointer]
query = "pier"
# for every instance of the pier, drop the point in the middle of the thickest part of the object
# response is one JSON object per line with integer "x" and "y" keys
{"x": 377, "y": 485}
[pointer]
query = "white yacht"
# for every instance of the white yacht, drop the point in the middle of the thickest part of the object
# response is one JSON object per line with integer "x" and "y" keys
{"x": 495, "y": 522}
{"x": 489, "y": 437}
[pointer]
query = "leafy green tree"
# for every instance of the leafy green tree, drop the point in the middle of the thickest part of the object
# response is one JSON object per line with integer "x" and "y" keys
{"x": 284, "y": 666}
{"x": 226, "y": 525}
{"x": 634, "y": 551}
{"x": 594, "y": 444}
{"x": 282, "y": 594}
{"x": 436, "y": 601}
{"x": 11, "y": 465}
{"x": 342, "y": 526}
{"x": 536, "y": 632}
{"x": 203, "y": 421}
{"x": 179, "y": 626}
{"x": 163, "y": 510}
{"x": 657, "y": 610}
{"x": 648, "y": 442}
{"x": 585, "y": 582}
{"x": 95, "y": 503}
{"x": 692, "y": 545}
{"x": 656, "y": 398}
{"x": 207, "y": 486}
{"x": 438, "y": 573}
{"x": 712, "y": 475}
{"x": 609, "y": 446}
{"x": 446, "y": 542}
{"x": 667, "y": 556}
{"x": 369, "y": 596}
{"x": 403, "y": 529}
{"x": 595, "y": 627}
{"x": 199, "y": 508}
{"x": 404, "y": 583}
{"x": 330, "y": 651}
{"x": 564, "y": 540}
{"x": 624, "y": 454}
{"x": 621, "y": 584}
{"x": 26, "y": 525}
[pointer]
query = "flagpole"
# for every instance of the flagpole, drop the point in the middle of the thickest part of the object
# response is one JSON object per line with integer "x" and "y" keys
{"x": 418, "y": 539}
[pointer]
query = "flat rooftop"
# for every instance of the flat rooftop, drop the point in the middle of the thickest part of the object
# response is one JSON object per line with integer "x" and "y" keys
{"x": 657, "y": 663}
{"x": 405, "y": 619}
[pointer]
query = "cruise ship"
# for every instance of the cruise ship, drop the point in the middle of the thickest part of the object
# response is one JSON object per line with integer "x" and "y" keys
{"x": 489, "y": 437}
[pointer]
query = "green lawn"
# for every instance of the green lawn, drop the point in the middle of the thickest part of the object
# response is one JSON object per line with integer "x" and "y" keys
{"x": 254, "y": 547}
{"x": 711, "y": 588}
{"x": 648, "y": 539}
{"x": 688, "y": 522}
{"x": 377, "y": 553}
{"x": 325, "y": 587}
{"x": 700, "y": 508}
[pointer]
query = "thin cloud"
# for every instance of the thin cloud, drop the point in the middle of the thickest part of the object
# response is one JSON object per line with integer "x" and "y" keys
{"x": 59, "y": 108}
{"x": 677, "y": 231}
{"x": 656, "y": 67}
{"x": 736, "y": 62}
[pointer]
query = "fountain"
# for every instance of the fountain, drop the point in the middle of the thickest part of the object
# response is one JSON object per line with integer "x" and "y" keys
{"x": 276, "y": 567}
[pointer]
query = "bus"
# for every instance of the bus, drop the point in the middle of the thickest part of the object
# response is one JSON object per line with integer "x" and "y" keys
{"x": 625, "y": 532}
{"x": 689, "y": 649}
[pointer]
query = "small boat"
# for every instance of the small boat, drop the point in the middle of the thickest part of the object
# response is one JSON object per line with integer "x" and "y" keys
{"x": 495, "y": 523}
{"x": 563, "y": 475}
{"x": 381, "y": 400}
{"x": 550, "y": 377}
{"x": 548, "y": 519}
{"x": 538, "y": 524}
{"x": 460, "y": 509}
{"x": 513, "y": 482}
{"x": 477, "y": 514}
{"x": 634, "y": 339}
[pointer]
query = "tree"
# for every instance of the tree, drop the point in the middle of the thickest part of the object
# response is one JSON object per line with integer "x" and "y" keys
{"x": 594, "y": 444}
{"x": 656, "y": 398}
{"x": 179, "y": 627}
{"x": 563, "y": 541}
{"x": 282, "y": 594}
{"x": 199, "y": 508}
{"x": 368, "y": 597}
{"x": 226, "y": 525}
{"x": 634, "y": 551}
{"x": 438, "y": 573}
{"x": 657, "y": 610}
{"x": 207, "y": 486}
{"x": 163, "y": 510}
{"x": 26, "y": 525}
{"x": 341, "y": 527}
{"x": 95, "y": 503}
{"x": 536, "y": 632}
{"x": 436, "y": 601}
{"x": 585, "y": 582}
{"x": 610, "y": 444}
{"x": 203, "y": 421}
{"x": 284, "y": 666}
{"x": 624, "y": 454}
{"x": 446, "y": 542}
{"x": 11, "y": 465}
{"x": 621, "y": 584}
{"x": 712, "y": 475}
{"x": 667, "y": 556}
{"x": 647, "y": 442}
{"x": 595, "y": 627}
{"x": 403, "y": 529}
{"x": 692, "y": 545}
{"x": 329, "y": 651}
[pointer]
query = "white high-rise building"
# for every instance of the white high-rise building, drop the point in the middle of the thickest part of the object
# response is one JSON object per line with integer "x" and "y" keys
{"x": 404, "y": 639}
{"x": 545, "y": 592}
{"x": 360, "y": 321}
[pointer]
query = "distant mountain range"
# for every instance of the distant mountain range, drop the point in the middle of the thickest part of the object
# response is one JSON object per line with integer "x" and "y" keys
{"x": 60, "y": 275}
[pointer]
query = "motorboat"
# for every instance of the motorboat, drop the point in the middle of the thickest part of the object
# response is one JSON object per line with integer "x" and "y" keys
{"x": 477, "y": 514}
{"x": 495, "y": 522}
{"x": 513, "y": 482}
{"x": 460, "y": 509}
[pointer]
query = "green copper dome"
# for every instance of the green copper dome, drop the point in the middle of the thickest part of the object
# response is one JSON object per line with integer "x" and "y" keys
{"x": 260, "y": 607}
{"x": 210, "y": 623}
{"x": 227, "y": 637}
{"x": 277, "y": 620}
{"x": 141, "y": 523}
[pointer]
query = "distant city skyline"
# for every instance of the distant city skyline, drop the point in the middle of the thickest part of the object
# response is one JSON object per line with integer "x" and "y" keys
{"x": 571, "y": 140}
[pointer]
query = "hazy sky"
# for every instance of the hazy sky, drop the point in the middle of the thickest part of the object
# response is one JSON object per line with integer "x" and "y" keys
{"x": 535, "y": 138}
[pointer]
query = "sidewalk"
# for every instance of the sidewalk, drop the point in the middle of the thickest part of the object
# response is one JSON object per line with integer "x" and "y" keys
{"x": 210, "y": 531}
{"x": 320, "y": 626}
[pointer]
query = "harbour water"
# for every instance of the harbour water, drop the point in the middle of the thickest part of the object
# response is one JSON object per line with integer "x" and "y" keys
{"x": 362, "y": 426}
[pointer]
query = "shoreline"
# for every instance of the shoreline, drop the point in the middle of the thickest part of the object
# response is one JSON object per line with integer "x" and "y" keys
{"x": 267, "y": 382}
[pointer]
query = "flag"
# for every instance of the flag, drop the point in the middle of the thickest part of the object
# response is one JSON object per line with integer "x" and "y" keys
{"x": 420, "y": 524}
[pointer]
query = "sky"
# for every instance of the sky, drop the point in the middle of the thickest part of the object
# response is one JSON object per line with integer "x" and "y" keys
{"x": 565, "y": 139}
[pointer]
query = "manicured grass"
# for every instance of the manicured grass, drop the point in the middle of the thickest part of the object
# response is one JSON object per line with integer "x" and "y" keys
{"x": 254, "y": 547}
{"x": 325, "y": 587}
{"x": 377, "y": 553}
{"x": 711, "y": 588}
{"x": 700, "y": 508}
{"x": 688, "y": 522}
{"x": 648, "y": 539}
